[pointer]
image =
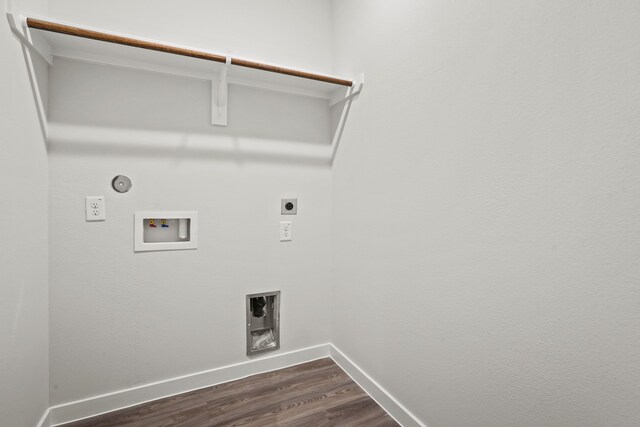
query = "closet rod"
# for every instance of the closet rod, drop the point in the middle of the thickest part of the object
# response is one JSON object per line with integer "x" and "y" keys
{"x": 55, "y": 27}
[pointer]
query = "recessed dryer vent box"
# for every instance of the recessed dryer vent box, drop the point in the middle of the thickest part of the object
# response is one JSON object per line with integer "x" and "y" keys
{"x": 165, "y": 230}
{"x": 263, "y": 322}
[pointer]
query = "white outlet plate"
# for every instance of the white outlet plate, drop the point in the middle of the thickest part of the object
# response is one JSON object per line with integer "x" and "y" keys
{"x": 286, "y": 231}
{"x": 95, "y": 209}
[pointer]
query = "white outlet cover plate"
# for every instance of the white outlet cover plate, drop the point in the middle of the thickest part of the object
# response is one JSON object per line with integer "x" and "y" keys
{"x": 94, "y": 208}
{"x": 286, "y": 231}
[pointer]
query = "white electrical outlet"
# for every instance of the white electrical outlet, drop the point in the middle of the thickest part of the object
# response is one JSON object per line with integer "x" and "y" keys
{"x": 285, "y": 231}
{"x": 94, "y": 208}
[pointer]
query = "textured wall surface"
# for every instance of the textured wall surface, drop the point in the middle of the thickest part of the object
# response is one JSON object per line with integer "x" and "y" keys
{"x": 24, "y": 364}
{"x": 485, "y": 209}
{"x": 121, "y": 319}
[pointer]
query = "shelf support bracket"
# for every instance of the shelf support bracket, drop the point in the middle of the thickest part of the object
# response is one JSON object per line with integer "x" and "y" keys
{"x": 28, "y": 48}
{"x": 24, "y": 37}
{"x": 355, "y": 91}
{"x": 219, "y": 96}
{"x": 352, "y": 93}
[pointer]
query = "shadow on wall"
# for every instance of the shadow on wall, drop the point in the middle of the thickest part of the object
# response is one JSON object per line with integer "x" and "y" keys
{"x": 133, "y": 111}
{"x": 78, "y": 140}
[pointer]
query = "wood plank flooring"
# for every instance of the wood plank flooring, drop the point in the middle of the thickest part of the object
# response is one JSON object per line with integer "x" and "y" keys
{"x": 317, "y": 393}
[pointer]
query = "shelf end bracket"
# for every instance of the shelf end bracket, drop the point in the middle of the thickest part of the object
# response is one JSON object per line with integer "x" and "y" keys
{"x": 28, "y": 49}
{"x": 352, "y": 93}
{"x": 355, "y": 90}
{"x": 41, "y": 48}
{"x": 219, "y": 95}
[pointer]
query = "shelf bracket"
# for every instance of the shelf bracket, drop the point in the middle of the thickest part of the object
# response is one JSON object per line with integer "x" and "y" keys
{"x": 25, "y": 39}
{"x": 352, "y": 93}
{"x": 355, "y": 91}
{"x": 219, "y": 96}
{"x": 28, "y": 48}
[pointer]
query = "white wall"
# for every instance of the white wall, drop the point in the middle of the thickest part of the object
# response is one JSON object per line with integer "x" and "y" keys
{"x": 485, "y": 209}
{"x": 119, "y": 318}
{"x": 24, "y": 365}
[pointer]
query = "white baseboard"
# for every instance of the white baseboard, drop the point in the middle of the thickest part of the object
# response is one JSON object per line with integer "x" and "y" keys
{"x": 96, "y": 405}
{"x": 45, "y": 421}
{"x": 390, "y": 404}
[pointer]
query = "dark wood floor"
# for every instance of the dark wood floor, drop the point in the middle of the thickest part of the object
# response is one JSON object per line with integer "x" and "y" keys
{"x": 313, "y": 394}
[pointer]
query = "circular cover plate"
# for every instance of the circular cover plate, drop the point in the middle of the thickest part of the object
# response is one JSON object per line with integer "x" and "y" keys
{"x": 121, "y": 183}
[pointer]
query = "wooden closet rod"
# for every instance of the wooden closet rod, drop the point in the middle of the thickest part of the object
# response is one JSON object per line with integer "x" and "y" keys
{"x": 143, "y": 44}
